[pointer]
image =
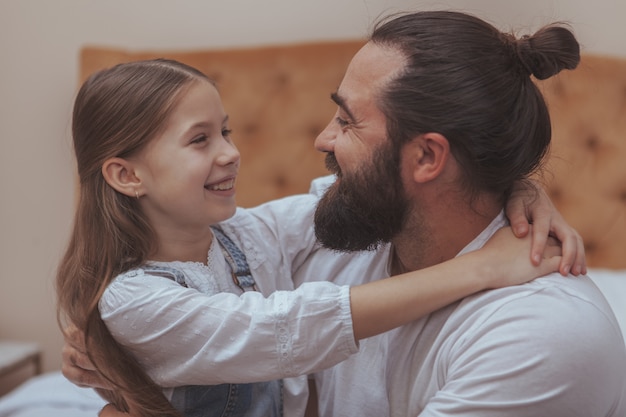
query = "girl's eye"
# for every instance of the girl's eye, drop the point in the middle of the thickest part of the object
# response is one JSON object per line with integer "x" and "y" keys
{"x": 226, "y": 132}
{"x": 199, "y": 139}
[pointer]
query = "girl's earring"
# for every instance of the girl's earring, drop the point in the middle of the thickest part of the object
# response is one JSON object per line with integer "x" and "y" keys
{"x": 137, "y": 194}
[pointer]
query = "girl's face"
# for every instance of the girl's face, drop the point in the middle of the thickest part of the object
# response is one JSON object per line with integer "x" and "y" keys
{"x": 188, "y": 171}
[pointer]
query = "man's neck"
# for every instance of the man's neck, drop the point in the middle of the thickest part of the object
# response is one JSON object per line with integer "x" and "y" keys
{"x": 444, "y": 233}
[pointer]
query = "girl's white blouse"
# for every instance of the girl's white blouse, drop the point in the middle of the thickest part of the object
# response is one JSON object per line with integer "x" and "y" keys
{"x": 211, "y": 332}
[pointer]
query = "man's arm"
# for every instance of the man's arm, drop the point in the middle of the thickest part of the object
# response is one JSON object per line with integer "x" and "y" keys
{"x": 76, "y": 365}
{"x": 110, "y": 411}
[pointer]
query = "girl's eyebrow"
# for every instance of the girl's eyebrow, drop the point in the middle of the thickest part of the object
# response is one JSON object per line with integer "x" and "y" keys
{"x": 341, "y": 102}
{"x": 208, "y": 125}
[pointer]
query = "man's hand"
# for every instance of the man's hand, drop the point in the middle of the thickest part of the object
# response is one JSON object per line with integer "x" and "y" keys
{"x": 76, "y": 366}
{"x": 528, "y": 204}
{"x": 110, "y": 411}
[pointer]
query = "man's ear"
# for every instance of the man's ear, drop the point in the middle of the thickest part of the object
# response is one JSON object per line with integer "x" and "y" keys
{"x": 431, "y": 154}
{"x": 120, "y": 174}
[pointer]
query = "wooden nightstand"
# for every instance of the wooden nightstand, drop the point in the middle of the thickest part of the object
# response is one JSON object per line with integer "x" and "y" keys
{"x": 15, "y": 355}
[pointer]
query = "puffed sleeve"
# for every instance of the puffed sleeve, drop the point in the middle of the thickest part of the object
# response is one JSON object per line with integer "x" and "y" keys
{"x": 184, "y": 337}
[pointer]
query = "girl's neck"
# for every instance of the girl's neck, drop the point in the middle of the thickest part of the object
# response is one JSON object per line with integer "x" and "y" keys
{"x": 184, "y": 248}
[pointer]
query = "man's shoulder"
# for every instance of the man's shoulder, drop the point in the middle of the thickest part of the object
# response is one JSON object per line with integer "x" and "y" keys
{"x": 548, "y": 344}
{"x": 559, "y": 289}
{"x": 564, "y": 309}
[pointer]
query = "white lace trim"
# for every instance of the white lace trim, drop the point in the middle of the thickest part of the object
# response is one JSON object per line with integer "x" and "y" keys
{"x": 210, "y": 278}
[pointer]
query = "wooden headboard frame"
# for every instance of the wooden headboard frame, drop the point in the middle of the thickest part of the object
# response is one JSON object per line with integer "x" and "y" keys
{"x": 278, "y": 99}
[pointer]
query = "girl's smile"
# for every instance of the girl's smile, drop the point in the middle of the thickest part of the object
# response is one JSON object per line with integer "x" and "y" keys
{"x": 225, "y": 187}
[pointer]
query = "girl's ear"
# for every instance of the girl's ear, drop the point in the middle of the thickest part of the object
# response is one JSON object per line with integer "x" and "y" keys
{"x": 120, "y": 174}
{"x": 431, "y": 154}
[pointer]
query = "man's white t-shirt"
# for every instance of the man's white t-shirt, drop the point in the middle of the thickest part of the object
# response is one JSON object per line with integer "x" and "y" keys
{"x": 550, "y": 348}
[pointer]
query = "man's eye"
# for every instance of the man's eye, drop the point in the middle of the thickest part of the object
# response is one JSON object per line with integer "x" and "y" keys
{"x": 341, "y": 122}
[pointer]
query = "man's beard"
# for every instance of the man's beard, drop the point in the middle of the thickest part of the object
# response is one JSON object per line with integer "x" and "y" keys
{"x": 362, "y": 210}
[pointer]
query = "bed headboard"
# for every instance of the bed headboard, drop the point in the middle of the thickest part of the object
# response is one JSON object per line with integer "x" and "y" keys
{"x": 278, "y": 99}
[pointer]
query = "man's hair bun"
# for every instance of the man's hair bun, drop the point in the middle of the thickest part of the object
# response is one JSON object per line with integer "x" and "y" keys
{"x": 550, "y": 50}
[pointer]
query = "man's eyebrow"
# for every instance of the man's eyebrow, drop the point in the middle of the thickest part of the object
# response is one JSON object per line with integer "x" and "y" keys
{"x": 341, "y": 102}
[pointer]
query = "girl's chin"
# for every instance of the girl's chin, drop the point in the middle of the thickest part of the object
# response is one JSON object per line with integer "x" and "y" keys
{"x": 224, "y": 213}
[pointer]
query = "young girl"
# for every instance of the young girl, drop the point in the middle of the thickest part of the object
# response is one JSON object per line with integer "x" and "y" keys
{"x": 160, "y": 294}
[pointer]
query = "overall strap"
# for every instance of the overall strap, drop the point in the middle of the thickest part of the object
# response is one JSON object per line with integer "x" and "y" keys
{"x": 237, "y": 261}
{"x": 166, "y": 272}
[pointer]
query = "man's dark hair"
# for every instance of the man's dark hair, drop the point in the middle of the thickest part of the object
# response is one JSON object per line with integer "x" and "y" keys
{"x": 472, "y": 83}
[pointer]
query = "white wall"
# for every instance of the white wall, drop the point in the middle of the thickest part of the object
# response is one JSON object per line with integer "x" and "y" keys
{"x": 40, "y": 40}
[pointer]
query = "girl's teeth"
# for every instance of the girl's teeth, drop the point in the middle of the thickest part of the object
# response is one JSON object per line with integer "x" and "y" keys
{"x": 226, "y": 185}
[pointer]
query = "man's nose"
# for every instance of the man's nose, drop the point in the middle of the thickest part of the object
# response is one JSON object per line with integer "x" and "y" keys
{"x": 325, "y": 141}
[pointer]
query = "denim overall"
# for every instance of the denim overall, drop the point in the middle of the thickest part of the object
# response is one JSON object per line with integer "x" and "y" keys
{"x": 259, "y": 399}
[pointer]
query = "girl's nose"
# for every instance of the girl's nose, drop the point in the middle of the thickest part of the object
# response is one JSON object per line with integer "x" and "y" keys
{"x": 229, "y": 154}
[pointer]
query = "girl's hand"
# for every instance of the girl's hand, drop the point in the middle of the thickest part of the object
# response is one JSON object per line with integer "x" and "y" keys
{"x": 506, "y": 258}
{"x": 529, "y": 204}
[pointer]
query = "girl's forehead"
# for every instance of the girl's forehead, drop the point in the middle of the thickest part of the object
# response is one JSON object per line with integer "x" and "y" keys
{"x": 201, "y": 101}
{"x": 196, "y": 109}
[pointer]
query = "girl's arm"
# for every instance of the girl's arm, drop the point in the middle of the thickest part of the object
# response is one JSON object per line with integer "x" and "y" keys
{"x": 382, "y": 305}
{"x": 215, "y": 355}
{"x": 286, "y": 225}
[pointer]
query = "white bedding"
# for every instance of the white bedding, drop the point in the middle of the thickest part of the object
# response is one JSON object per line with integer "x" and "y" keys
{"x": 612, "y": 283}
{"x": 51, "y": 395}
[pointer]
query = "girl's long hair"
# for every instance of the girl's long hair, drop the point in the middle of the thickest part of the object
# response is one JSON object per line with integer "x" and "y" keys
{"x": 116, "y": 113}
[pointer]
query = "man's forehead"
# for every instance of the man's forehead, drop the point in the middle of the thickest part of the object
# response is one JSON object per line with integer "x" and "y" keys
{"x": 370, "y": 69}
{"x": 375, "y": 62}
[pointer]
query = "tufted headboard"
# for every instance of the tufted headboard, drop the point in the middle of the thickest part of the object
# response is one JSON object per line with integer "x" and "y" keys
{"x": 586, "y": 170}
{"x": 278, "y": 99}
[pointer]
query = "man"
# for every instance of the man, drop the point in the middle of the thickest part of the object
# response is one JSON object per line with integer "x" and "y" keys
{"x": 426, "y": 145}
{"x": 437, "y": 117}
